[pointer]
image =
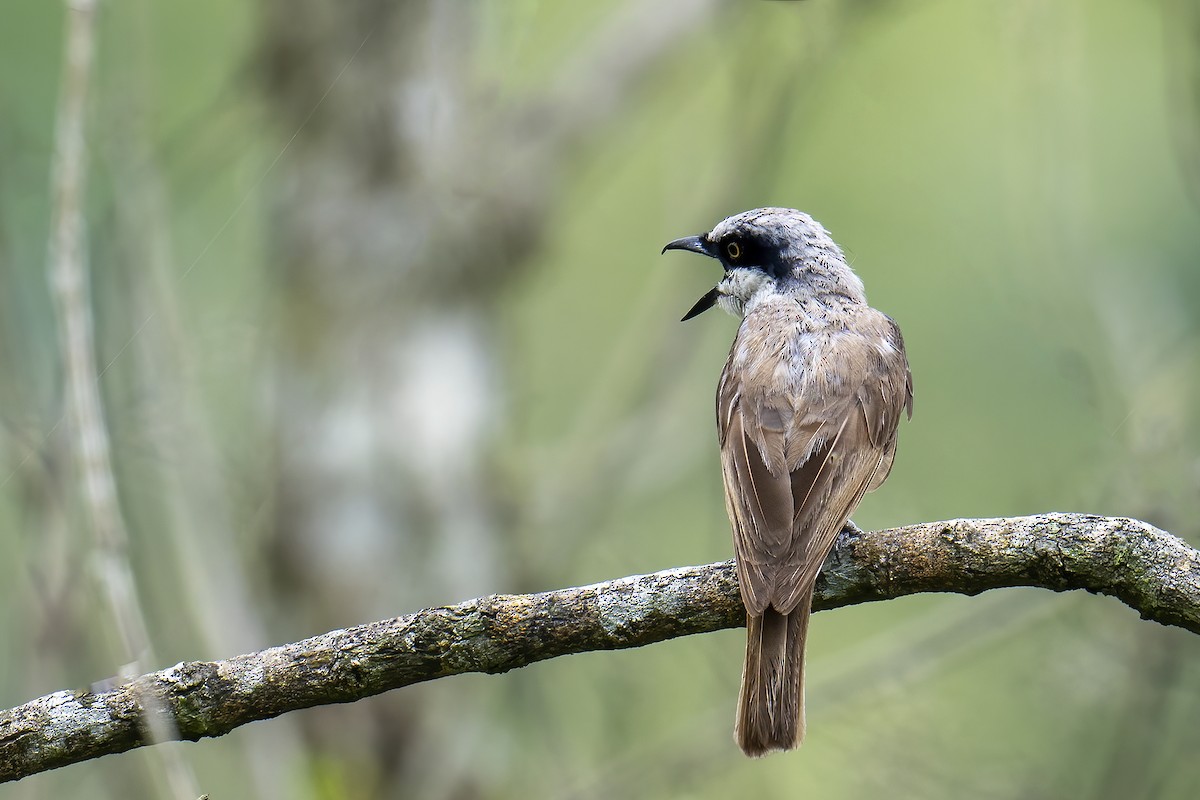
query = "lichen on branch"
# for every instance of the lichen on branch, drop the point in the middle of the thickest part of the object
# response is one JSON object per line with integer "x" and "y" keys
{"x": 1149, "y": 570}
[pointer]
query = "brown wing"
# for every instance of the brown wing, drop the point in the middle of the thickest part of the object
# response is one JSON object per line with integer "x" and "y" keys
{"x": 802, "y": 441}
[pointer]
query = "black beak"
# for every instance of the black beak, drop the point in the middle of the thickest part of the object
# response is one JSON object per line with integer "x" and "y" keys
{"x": 703, "y": 304}
{"x": 696, "y": 244}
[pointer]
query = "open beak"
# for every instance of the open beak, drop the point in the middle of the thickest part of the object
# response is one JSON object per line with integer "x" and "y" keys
{"x": 696, "y": 244}
{"x": 703, "y": 304}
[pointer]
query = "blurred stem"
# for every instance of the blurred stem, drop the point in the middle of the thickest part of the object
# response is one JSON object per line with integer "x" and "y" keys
{"x": 1151, "y": 571}
{"x": 1181, "y": 35}
{"x": 69, "y": 287}
{"x": 201, "y": 523}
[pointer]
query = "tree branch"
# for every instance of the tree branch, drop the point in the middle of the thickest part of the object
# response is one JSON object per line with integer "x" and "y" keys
{"x": 1153, "y": 572}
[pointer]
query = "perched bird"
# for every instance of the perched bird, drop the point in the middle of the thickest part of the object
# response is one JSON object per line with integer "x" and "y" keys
{"x": 807, "y": 411}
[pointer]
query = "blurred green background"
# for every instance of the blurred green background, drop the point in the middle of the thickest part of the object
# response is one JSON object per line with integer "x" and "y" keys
{"x": 383, "y": 324}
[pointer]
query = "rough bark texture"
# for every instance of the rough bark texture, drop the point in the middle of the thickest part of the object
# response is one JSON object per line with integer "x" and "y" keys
{"x": 1151, "y": 571}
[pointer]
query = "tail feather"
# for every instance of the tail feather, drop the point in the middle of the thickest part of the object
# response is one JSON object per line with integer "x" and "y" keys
{"x": 771, "y": 702}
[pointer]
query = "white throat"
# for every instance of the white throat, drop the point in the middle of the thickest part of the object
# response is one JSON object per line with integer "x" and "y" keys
{"x": 741, "y": 289}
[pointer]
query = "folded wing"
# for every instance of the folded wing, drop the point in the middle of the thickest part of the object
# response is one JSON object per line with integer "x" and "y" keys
{"x": 805, "y": 433}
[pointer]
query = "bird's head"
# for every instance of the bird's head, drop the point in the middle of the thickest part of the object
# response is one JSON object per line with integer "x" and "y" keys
{"x": 769, "y": 251}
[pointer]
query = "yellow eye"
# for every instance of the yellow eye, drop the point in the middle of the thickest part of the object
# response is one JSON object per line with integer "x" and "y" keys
{"x": 734, "y": 250}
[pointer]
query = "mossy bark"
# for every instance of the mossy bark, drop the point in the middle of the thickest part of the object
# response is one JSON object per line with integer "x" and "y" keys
{"x": 1151, "y": 571}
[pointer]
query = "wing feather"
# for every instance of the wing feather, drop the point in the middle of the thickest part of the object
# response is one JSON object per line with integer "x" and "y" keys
{"x": 802, "y": 442}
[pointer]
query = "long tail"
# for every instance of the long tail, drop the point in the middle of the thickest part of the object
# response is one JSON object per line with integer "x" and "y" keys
{"x": 770, "y": 713}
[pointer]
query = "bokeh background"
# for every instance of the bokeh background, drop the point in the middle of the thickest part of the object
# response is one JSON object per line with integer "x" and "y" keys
{"x": 382, "y": 324}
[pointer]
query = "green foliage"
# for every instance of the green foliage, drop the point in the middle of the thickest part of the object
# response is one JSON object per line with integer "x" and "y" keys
{"x": 1011, "y": 182}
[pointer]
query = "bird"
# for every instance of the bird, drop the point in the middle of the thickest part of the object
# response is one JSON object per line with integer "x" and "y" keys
{"x": 808, "y": 407}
